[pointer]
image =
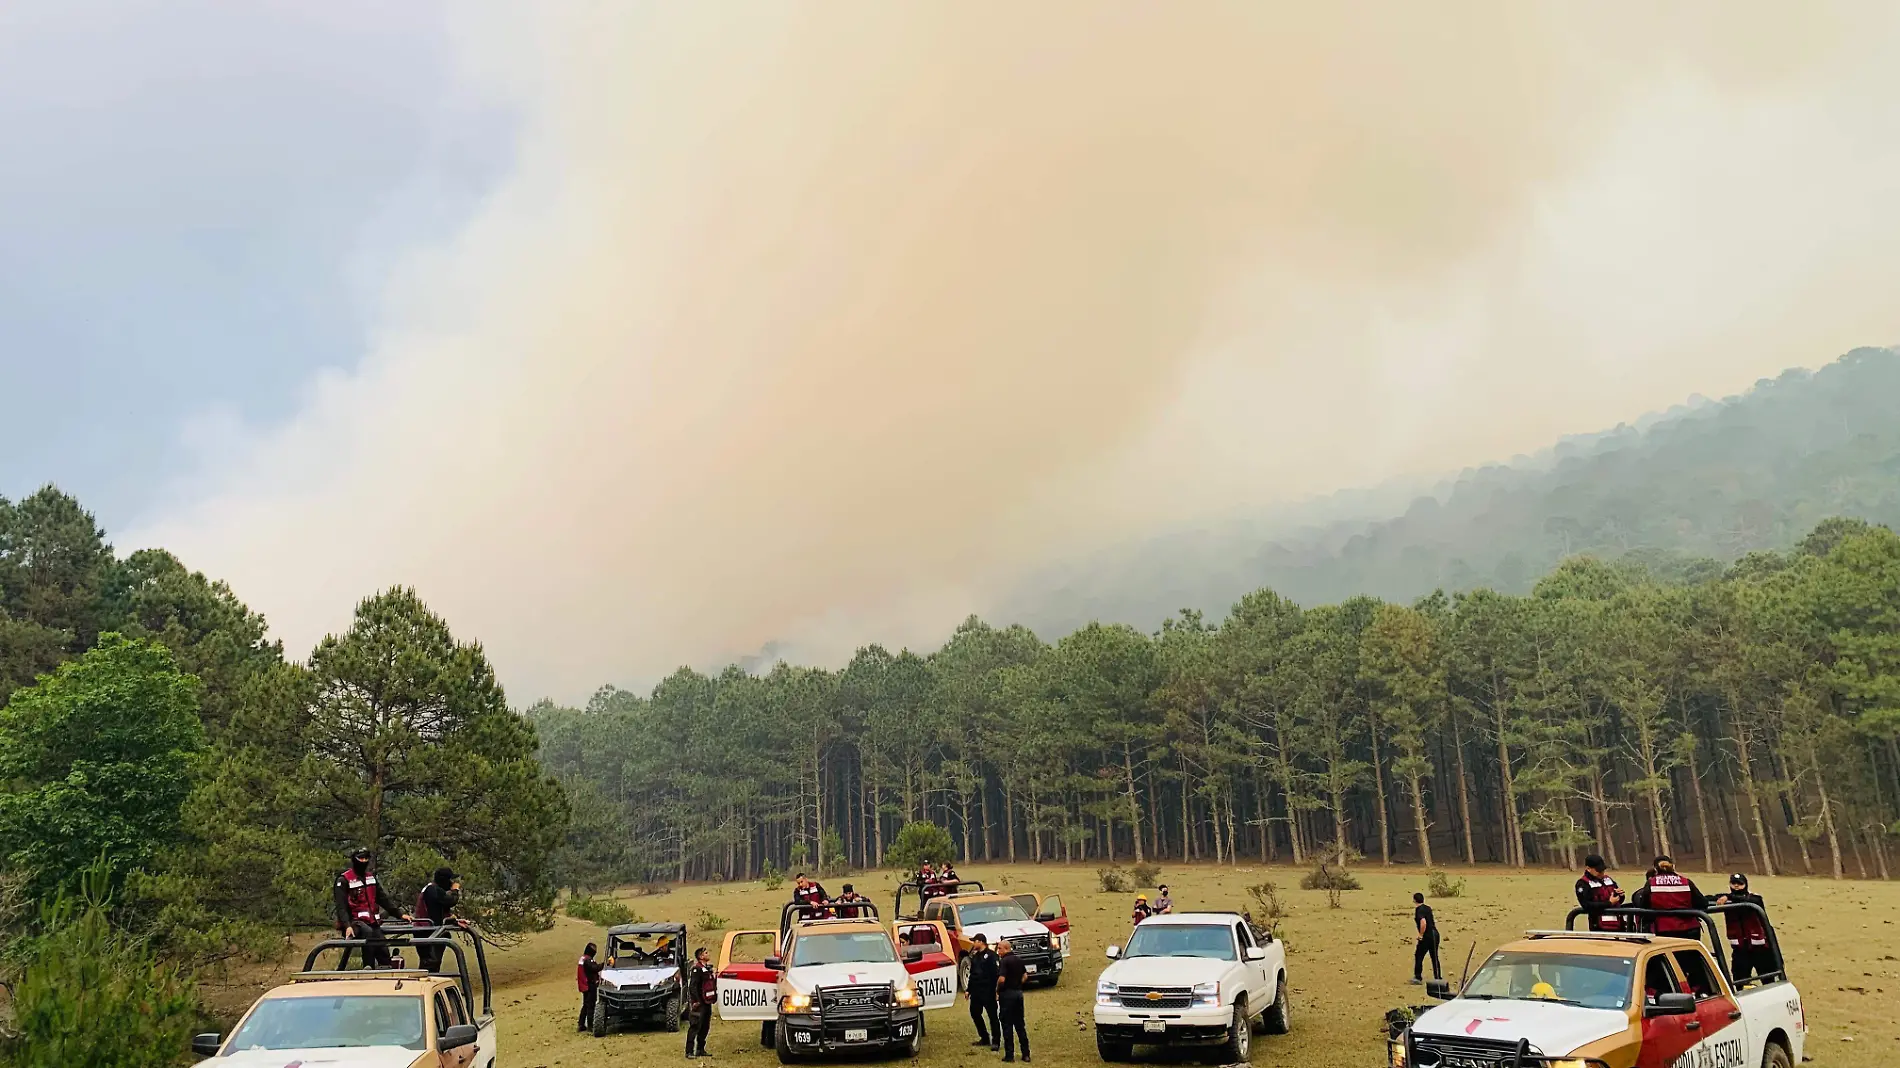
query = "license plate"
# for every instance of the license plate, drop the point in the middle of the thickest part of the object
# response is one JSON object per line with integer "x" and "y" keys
{"x": 1030, "y": 968}
{"x": 1154, "y": 1027}
{"x": 857, "y": 1034}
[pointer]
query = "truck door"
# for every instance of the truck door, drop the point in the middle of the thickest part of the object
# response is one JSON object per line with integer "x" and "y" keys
{"x": 445, "y": 1018}
{"x": 935, "y": 973}
{"x": 1717, "y": 1027}
{"x": 1051, "y": 913}
{"x": 748, "y": 990}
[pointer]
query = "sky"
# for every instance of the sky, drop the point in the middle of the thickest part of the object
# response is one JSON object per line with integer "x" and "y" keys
{"x": 646, "y": 334}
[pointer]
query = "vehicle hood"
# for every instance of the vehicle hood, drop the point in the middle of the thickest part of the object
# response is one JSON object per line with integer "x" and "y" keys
{"x": 1553, "y": 1030}
{"x": 812, "y": 976}
{"x": 365, "y": 1057}
{"x": 639, "y": 976}
{"x": 1166, "y": 971}
{"x": 1002, "y": 929}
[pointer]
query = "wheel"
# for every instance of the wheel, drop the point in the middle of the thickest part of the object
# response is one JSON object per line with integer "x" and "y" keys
{"x": 785, "y": 1054}
{"x": 765, "y": 1034}
{"x": 1055, "y": 978}
{"x": 1775, "y": 1056}
{"x": 916, "y": 1043}
{"x": 671, "y": 1014}
{"x": 1112, "y": 1051}
{"x": 600, "y": 1018}
{"x": 963, "y": 974}
{"x": 1278, "y": 1019}
{"x": 1239, "y": 1047}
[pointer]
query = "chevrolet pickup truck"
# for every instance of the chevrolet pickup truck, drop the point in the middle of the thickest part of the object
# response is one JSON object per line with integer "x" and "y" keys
{"x": 1600, "y": 999}
{"x": 1192, "y": 979}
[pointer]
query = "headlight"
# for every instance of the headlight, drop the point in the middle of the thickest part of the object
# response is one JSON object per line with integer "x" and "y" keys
{"x": 1105, "y": 992}
{"x": 906, "y": 995}
{"x": 794, "y": 1003}
{"x": 1571, "y": 1063}
{"x": 1207, "y": 993}
{"x": 1395, "y": 1052}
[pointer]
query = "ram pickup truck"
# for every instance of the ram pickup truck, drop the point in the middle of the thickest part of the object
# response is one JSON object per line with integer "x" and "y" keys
{"x": 1598, "y": 999}
{"x": 1194, "y": 979}
{"x": 833, "y": 986}
{"x": 996, "y": 918}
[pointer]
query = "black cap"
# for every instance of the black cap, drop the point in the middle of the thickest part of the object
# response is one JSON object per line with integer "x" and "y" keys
{"x": 1738, "y": 877}
{"x": 1664, "y": 858}
{"x": 980, "y": 937}
{"x": 360, "y": 851}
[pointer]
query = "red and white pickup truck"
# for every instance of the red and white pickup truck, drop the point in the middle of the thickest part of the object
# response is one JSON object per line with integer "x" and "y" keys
{"x": 1602, "y": 999}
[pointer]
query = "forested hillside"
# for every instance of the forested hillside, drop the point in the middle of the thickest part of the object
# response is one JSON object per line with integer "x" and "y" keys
{"x": 1707, "y": 480}
{"x": 1747, "y": 719}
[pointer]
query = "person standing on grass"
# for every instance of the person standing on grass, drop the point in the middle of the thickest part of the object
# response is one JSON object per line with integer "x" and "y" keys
{"x": 1427, "y": 943}
{"x": 1596, "y": 891}
{"x": 702, "y": 987}
{"x": 1009, "y": 996}
{"x": 587, "y": 977}
{"x": 985, "y": 966}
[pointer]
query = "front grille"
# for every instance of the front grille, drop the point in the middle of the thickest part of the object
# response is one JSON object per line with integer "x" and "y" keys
{"x": 1447, "y": 1051}
{"x": 1171, "y": 997}
{"x": 841, "y": 1002}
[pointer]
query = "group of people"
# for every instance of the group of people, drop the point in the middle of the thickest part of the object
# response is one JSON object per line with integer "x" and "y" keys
{"x": 814, "y": 904}
{"x": 936, "y": 882}
{"x": 362, "y": 905}
{"x": 1163, "y": 904}
{"x": 995, "y": 993}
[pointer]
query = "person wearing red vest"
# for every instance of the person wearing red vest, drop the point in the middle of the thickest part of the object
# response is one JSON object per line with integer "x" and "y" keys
{"x": 361, "y": 902}
{"x": 702, "y": 993}
{"x": 587, "y": 978}
{"x": 1747, "y": 932}
{"x": 1596, "y": 891}
{"x": 1668, "y": 889}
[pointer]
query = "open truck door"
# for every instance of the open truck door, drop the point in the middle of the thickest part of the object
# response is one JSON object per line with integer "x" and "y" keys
{"x": 924, "y": 946}
{"x": 748, "y": 990}
{"x": 1051, "y": 913}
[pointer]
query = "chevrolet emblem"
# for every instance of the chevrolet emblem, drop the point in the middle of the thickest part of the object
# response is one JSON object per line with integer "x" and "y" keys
{"x": 1154, "y": 995}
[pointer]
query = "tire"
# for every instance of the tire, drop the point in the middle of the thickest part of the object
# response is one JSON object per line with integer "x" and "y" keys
{"x": 1054, "y": 978}
{"x": 600, "y": 1018}
{"x": 963, "y": 974}
{"x": 1239, "y": 1046}
{"x": 785, "y": 1054}
{"x": 1112, "y": 1051}
{"x": 672, "y": 1013}
{"x": 1278, "y": 1019}
{"x": 1775, "y": 1056}
{"x": 766, "y": 1031}
{"x": 916, "y": 1044}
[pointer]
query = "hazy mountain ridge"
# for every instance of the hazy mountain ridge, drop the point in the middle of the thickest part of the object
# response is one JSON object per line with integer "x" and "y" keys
{"x": 1703, "y": 479}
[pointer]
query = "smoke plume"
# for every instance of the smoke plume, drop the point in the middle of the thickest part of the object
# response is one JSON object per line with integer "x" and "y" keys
{"x": 818, "y": 322}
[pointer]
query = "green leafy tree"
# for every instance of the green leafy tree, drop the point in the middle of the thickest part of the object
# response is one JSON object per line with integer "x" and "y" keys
{"x": 96, "y": 761}
{"x": 920, "y": 843}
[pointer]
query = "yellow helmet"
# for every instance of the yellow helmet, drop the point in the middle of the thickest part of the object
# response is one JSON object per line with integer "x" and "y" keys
{"x": 1141, "y": 897}
{"x": 1544, "y": 990}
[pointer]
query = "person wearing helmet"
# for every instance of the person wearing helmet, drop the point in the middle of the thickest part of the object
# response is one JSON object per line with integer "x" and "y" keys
{"x": 663, "y": 950}
{"x": 361, "y": 903}
{"x": 1142, "y": 911}
{"x": 1747, "y": 930}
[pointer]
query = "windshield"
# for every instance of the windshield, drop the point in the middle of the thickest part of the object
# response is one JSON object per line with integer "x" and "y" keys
{"x": 1215, "y": 942}
{"x": 332, "y": 1022}
{"x": 638, "y": 951}
{"x": 1592, "y": 982}
{"x": 990, "y": 912}
{"x": 855, "y": 947}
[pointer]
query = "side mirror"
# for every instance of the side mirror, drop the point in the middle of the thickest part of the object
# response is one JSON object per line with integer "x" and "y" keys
{"x": 913, "y": 954}
{"x": 1256, "y": 953}
{"x": 776, "y": 964}
{"x": 1045, "y": 917}
{"x": 206, "y": 1045}
{"x": 1439, "y": 989}
{"x": 1671, "y": 1005}
{"x": 456, "y": 1037}
{"x": 1114, "y": 953}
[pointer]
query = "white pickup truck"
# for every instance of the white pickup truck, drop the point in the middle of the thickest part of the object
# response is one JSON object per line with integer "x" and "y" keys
{"x": 1191, "y": 979}
{"x": 1598, "y": 999}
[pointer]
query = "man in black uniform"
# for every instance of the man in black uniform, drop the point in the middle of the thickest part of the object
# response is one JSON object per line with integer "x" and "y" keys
{"x": 1009, "y": 993}
{"x": 435, "y": 908}
{"x": 702, "y": 990}
{"x": 361, "y": 902}
{"x": 985, "y": 966}
{"x": 1427, "y": 925}
{"x": 1747, "y": 933}
{"x": 1596, "y": 891}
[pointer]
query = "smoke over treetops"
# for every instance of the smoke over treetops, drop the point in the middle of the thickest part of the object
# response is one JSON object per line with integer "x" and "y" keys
{"x": 820, "y": 322}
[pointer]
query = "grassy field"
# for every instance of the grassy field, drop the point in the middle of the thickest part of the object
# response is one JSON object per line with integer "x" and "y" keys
{"x": 1347, "y": 965}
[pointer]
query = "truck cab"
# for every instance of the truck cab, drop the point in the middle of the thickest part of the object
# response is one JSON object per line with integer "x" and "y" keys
{"x": 1603, "y": 999}
{"x": 829, "y": 986}
{"x": 997, "y": 917}
{"x": 1192, "y": 979}
{"x": 370, "y": 1018}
